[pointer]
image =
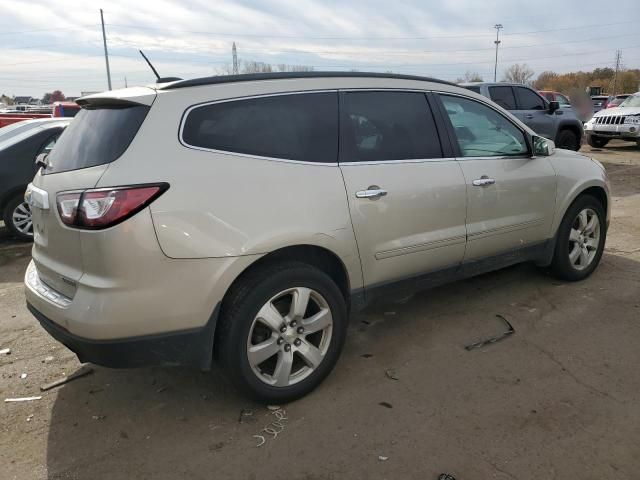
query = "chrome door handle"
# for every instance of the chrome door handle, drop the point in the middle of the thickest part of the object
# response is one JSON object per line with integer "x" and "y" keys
{"x": 528, "y": 116}
{"x": 483, "y": 182}
{"x": 372, "y": 193}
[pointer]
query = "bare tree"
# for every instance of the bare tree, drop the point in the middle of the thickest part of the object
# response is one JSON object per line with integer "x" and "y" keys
{"x": 470, "y": 77}
{"x": 261, "y": 67}
{"x": 519, "y": 73}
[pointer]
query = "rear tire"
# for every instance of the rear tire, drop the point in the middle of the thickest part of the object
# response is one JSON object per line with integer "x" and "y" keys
{"x": 17, "y": 218}
{"x": 597, "y": 142}
{"x": 266, "y": 363}
{"x": 580, "y": 240}
{"x": 568, "y": 140}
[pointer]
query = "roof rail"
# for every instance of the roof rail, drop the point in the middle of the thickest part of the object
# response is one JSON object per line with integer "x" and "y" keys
{"x": 197, "y": 82}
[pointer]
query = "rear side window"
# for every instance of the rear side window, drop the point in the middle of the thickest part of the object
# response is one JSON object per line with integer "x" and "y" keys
{"x": 503, "y": 96}
{"x": 96, "y": 136}
{"x": 473, "y": 89}
{"x": 301, "y": 127}
{"x": 529, "y": 100}
{"x": 388, "y": 126}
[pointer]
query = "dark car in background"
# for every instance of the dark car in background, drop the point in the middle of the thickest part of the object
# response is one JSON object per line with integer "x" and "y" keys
{"x": 20, "y": 144}
{"x": 545, "y": 117}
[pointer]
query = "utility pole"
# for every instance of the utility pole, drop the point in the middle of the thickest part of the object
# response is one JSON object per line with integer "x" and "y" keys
{"x": 615, "y": 75}
{"x": 234, "y": 53}
{"x": 106, "y": 54}
{"x": 497, "y": 26}
{"x": 125, "y": 83}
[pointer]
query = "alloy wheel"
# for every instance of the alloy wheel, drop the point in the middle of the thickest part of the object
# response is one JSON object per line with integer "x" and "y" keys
{"x": 290, "y": 336}
{"x": 21, "y": 218}
{"x": 584, "y": 239}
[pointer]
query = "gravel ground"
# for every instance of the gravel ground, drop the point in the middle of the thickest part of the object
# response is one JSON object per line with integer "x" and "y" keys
{"x": 558, "y": 399}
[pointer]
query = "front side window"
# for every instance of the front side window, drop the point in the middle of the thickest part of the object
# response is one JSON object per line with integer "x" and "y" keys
{"x": 481, "y": 131}
{"x": 503, "y": 96}
{"x": 529, "y": 100}
{"x": 301, "y": 127}
{"x": 562, "y": 100}
{"x": 379, "y": 126}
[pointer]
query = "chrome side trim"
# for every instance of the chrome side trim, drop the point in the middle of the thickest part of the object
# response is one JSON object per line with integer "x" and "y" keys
{"x": 421, "y": 247}
{"x": 507, "y": 229}
{"x": 387, "y": 162}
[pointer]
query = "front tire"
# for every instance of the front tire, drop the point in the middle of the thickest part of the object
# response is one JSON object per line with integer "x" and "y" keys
{"x": 281, "y": 331}
{"x": 17, "y": 218}
{"x": 597, "y": 142}
{"x": 580, "y": 240}
{"x": 568, "y": 140}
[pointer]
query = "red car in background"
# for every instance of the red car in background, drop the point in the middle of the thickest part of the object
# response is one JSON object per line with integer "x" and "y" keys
{"x": 65, "y": 109}
{"x": 563, "y": 100}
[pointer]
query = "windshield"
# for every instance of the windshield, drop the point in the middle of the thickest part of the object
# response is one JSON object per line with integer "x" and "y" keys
{"x": 632, "y": 101}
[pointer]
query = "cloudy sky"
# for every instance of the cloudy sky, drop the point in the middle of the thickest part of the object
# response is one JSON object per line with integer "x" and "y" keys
{"x": 57, "y": 44}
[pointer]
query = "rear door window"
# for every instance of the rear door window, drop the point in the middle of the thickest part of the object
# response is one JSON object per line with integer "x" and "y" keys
{"x": 96, "y": 136}
{"x": 503, "y": 96}
{"x": 301, "y": 127}
{"x": 529, "y": 100}
{"x": 379, "y": 126}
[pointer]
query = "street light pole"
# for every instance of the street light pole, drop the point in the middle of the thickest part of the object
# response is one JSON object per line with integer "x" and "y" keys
{"x": 106, "y": 54}
{"x": 497, "y": 26}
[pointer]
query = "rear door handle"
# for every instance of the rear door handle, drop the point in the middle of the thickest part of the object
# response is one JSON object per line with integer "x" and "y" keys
{"x": 483, "y": 182}
{"x": 372, "y": 193}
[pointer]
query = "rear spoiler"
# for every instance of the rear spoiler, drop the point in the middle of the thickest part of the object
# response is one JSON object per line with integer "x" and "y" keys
{"x": 123, "y": 97}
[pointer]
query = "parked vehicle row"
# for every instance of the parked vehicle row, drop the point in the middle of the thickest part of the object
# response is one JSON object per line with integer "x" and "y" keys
{"x": 240, "y": 219}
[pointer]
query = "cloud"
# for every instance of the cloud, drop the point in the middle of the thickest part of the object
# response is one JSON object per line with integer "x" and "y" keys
{"x": 50, "y": 45}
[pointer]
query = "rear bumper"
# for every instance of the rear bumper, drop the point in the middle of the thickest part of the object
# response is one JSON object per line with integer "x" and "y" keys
{"x": 191, "y": 348}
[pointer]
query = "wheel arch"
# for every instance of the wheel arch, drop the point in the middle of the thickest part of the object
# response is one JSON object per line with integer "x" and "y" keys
{"x": 572, "y": 127}
{"x": 9, "y": 195}
{"x": 595, "y": 189}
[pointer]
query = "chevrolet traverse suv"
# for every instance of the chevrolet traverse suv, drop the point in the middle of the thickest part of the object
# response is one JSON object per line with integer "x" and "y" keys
{"x": 240, "y": 219}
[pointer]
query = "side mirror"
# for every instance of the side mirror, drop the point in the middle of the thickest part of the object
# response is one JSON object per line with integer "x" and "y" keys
{"x": 553, "y": 106}
{"x": 41, "y": 160}
{"x": 543, "y": 147}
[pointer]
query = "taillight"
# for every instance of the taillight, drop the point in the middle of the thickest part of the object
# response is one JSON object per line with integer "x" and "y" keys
{"x": 105, "y": 207}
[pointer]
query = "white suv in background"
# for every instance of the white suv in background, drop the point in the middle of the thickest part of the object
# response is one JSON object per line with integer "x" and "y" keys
{"x": 242, "y": 218}
{"x": 621, "y": 123}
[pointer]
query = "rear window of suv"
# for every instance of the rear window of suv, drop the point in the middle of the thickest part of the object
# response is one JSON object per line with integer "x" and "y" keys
{"x": 96, "y": 136}
{"x": 301, "y": 127}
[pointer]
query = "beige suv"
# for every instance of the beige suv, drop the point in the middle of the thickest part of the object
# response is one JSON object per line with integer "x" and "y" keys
{"x": 240, "y": 219}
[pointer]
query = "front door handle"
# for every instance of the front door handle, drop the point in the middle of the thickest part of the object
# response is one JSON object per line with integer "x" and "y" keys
{"x": 372, "y": 193}
{"x": 484, "y": 181}
{"x": 528, "y": 116}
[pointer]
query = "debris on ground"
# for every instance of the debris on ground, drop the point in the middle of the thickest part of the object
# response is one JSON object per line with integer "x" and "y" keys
{"x": 22, "y": 399}
{"x": 385, "y": 404}
{"x": 83, "y": 372}
{"x": 161, "y": 389}
{"x": 273, "y": 408}
{"x": 382, "y": 458}
{"x": 510, "y": 330}
{"x": 99, "y": 417}
{"x": 5, "y": 351}
{"x": 391, "y": 374}
{"x": 366, "y": 355}
{"x": 245, "y": 412}
{"x": 388, "y": 314}
{"x": 48, "y": 359}
{"x": 446, "y": 476}
{"x": 29, "y": 417}
{"x": 23, "y": 376}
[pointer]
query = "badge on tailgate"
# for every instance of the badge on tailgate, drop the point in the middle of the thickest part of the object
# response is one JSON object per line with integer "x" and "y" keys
{"x": 36, "y": 197}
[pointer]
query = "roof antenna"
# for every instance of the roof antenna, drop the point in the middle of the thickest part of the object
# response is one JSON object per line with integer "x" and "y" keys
{"x": 159, "y": 79}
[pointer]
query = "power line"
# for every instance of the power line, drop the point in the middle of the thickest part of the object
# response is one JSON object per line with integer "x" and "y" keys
{"x": 312, "y": 37}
